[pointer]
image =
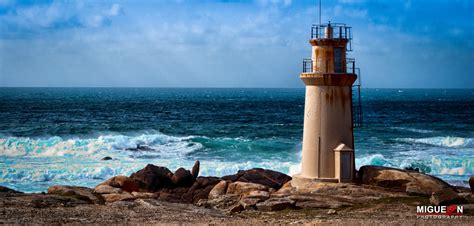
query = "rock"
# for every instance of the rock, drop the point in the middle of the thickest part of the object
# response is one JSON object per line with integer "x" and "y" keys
{"x": 81, "y": 193}
{"x": 261, "y": 195}
{"x": 106, "y": 158}
{"x": 144, "y": 195}
{"x": 182, "y": 178}
{"x": 286, "y": 188}
{"x": 275, "y": 204}
{"x": 125, "y": 196}
{"x": 201, "y": 188}
{"x": 461, "y": 189}
{"x": 467, "y": 196}
{"x": 269, "y": 178}
{"x": 399, "y": 180}
{"x": 445, "y": 197}
{"x": 332, "y": 211}
{"x": 123, "y": 182}
{"x": 313, "y": 201}
{"x": 222, "y": 202}
{"x": 471, "y": 183}
{"x": 153, "y": 178}
{"x": 107, "y": 189}
{"x": 195, "y": 169}
{"x": 249, "y": 203}
{"x": 240, "y": 188}
{"x": 236, "y": 208}
{"x": 218, "y": 190}
{"x": 8, "y": 190}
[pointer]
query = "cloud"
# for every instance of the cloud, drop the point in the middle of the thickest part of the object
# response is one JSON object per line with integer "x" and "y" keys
{"x": 31, "y": 19}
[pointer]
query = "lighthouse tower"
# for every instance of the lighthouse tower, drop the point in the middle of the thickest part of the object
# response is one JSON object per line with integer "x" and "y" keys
{"x": 329, "y": 114}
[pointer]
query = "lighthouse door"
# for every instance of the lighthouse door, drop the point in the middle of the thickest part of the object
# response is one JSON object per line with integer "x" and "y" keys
{"x": 338, "y": 60}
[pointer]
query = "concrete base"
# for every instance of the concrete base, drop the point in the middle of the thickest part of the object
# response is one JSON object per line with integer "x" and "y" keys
{"x": 299, "y": 181}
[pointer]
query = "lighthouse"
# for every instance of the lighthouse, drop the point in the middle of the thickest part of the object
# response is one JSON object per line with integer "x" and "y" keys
{"x": 330, "y": 114}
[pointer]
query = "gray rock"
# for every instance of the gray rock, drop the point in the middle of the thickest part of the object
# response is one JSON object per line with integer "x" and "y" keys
{"x": 275, "y": 204}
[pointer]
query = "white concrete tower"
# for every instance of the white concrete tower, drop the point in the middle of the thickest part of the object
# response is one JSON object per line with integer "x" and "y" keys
{"x": 328, "y": 140}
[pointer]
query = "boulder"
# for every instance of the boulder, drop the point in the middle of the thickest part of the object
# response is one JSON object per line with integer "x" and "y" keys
{"x": 471, "y": 183}
{"x": 195, "y": 170}
{"x": 153, "y": 178}
{"x": 445, "y": 197}
{"x": 249, "y": 203}
{"x": 201, "y": 188}
{"x": 123, "y": 182}
{"x": 107, "y": 189}
{"x": 275, "y": 204}
{"x": 125, "y": 196}
{"x": 81, "y": 193}
{"x": 269, "y": 178}
{"x": 218, "y": 190}
{"x": 241, "y": 188}
{"x": 182, "y": 178}
{"x": 413, "y": 183}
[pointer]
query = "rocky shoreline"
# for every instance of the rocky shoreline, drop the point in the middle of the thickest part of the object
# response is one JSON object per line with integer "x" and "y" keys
{"x": 154, "y": 194}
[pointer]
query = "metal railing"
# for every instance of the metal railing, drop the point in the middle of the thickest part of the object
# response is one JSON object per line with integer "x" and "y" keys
{"x": 332, "y": 31}
{"x": 308, "y": 66}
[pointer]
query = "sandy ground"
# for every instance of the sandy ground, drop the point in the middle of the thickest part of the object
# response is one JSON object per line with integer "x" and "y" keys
{"x": 19, "y": 211}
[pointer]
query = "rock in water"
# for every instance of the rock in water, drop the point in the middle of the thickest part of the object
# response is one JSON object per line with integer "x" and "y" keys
{"x": 269, "y": 178}
{"x": 471, "y": 183}
{"x": 195, "y": 169}
{"x": 446, "y": 196}
{"x": 80, "y": 193}
{"x": 123, "y": 182}
{"x": 106, "y": 158}
{"x": 182, "y": 178}
{"x": 399, "y": 180}
{"x": 153, "y": 178}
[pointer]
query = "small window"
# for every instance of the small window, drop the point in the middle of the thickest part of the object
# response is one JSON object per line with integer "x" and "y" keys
{"x": 338, "y": 51}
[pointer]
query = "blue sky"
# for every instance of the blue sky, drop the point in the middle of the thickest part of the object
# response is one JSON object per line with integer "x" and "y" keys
{"x": 185, "y": 43}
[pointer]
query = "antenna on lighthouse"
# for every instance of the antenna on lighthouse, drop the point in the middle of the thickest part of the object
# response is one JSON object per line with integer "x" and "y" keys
{"x": 319, "y": 13}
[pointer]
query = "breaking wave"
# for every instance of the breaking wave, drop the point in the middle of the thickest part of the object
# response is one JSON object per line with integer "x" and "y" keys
{"x": 448, "y": 142}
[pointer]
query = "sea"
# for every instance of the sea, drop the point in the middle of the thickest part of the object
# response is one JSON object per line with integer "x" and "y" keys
{"x": 51, "y": 136}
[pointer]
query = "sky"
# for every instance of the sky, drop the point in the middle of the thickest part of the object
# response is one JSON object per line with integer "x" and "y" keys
{"x": 229, "y": 43}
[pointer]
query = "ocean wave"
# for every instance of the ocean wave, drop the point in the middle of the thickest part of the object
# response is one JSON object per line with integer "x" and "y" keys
{"x": 415, "y": 130}
{"x": 162, "y": 145}
{"x": 448, "y": 142}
